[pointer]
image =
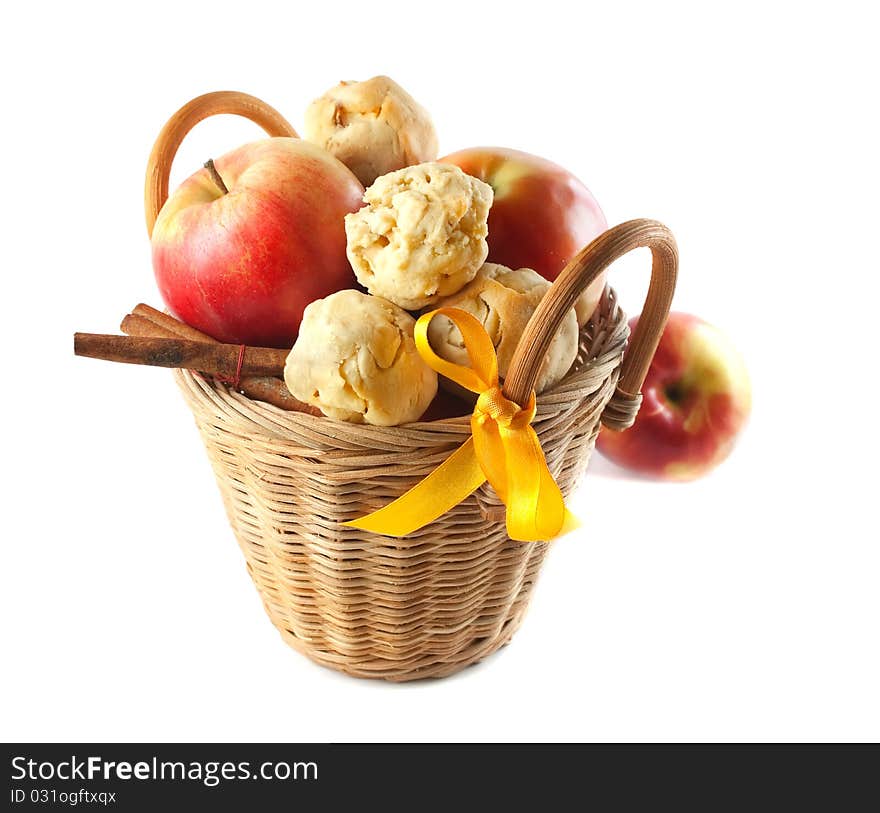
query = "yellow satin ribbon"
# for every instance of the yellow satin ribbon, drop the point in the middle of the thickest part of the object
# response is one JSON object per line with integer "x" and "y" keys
{"x": 503, "y": 449}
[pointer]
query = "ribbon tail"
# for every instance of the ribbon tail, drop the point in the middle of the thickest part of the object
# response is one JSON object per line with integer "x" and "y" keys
{"x": 536, "y": 511}
{"x": 453, "y": 480}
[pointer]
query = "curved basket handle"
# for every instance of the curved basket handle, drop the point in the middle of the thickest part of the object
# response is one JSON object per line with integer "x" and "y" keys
{"x": 176, "y": 128}
{"x": 574, "y": 279}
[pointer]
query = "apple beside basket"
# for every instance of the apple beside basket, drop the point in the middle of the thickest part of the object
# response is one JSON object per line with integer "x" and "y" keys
{"x": 455, "y": 591}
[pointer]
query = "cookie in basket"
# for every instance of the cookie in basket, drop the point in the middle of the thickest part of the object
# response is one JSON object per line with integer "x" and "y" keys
{"x": 503, "y": 300}
{"x": 373, "y": 127}
{"x": 356, "y": 360}
{"x": 422, "y": 234}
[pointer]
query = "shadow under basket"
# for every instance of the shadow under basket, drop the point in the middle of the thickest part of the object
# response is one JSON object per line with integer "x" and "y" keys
{"x": 421, "y": 606}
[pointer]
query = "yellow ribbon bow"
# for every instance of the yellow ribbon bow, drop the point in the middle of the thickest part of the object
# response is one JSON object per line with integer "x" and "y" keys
{"x": 503, "y": 449}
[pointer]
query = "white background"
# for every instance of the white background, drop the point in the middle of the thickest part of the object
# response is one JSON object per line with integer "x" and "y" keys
{"x": 740, "y": 607}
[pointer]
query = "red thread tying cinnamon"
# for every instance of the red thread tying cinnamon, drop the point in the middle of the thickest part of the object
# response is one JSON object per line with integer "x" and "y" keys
{"x": 235, "y": 381}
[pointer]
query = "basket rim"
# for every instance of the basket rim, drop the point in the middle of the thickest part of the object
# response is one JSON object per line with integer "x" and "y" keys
{"x": 268, "y": 417}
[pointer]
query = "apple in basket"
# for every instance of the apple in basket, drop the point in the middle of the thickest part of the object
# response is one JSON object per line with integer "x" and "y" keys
{"x": 244, "y": 244}
{"x": 696, "y": 399}
{"x": 541, "y": 216}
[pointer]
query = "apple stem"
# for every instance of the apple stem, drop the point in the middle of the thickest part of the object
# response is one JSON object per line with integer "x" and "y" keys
{"x": 215, "y": 176}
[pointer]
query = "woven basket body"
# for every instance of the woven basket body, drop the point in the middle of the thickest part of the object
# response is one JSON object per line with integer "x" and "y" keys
{"x": 372, "y": 606}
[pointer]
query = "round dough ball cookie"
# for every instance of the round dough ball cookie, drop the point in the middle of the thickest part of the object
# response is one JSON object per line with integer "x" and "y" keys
{"x": 422, "y": 234}
{"x": 373, "y": 127}
{"x": 356, "y": 360}
{"x": 504, "y": 301}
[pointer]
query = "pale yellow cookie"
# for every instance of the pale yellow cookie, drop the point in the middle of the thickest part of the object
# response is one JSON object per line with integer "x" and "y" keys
{"x": 373, "y": 127}
{"x": 504, "y": 300}
{"x": 356, "y": 360}
{"x": 422, "y": 234}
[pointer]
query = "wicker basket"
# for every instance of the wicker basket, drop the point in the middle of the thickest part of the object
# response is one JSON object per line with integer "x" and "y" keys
{"x": 455, "y": 591}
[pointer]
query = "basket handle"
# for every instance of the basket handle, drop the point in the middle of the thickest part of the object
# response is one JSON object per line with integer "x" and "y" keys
{"x": 583, "y": 268}
{"x": 176, "y": 128}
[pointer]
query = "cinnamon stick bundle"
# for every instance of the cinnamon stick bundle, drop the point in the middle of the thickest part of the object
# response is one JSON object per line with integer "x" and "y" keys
{"x": 145, "y": 322}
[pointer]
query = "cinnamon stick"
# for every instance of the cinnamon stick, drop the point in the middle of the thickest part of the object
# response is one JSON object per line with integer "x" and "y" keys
{"x": 134, "y": 325}
{"x": 220, "y": 360}
{"x": 274, "y": 391}
{"x": 170, "y": 324}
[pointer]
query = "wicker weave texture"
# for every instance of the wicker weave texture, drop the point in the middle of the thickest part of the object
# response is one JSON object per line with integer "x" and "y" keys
{"x": 372, "y": 606}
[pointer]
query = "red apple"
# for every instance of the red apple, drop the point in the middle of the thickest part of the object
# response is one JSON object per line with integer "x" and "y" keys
{"x": 242, "y": 263}
{"x": 541, "y": 216}
{"x": 696, "y": 399}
